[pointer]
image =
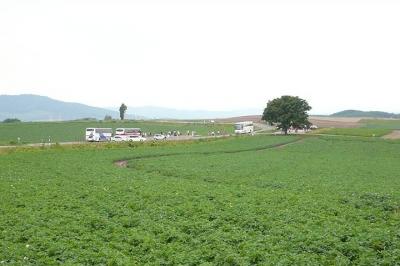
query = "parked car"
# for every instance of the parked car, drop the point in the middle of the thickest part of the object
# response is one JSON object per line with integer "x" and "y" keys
{"x": 136, "y": 138}
{"x": 119, "y": 138}
{"x": 159, "y": 137}
{"x": 314, "y": 127}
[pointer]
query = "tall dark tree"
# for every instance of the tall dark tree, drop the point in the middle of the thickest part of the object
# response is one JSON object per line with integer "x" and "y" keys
{"x": 287, "y": 111}
{"x": 122, "y": 110}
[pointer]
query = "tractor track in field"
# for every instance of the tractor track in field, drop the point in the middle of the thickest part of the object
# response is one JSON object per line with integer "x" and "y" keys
{"x": 123, "y": 163}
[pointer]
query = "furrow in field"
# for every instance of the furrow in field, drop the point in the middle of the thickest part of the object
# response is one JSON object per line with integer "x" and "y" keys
{"x": 123, "y": 163}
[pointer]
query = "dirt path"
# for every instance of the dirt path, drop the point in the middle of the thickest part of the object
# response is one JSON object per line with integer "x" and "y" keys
{"x": 149, "y": 139}
{"x": 43, "y": 144}
{"x": 123, "y": 163}
{"x": 394, "y": 135}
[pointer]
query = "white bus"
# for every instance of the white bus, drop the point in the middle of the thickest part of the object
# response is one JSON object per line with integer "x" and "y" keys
{"x": 128, "y": 131}
{"x": 245, "y": 127}
{"x": 98, "y": 134}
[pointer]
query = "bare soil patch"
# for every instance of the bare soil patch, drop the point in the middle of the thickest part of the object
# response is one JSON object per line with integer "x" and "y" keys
{"x": 121, "y": 163}
{"x": 339, "y": 122}
{"x": 394, "y": 135}
{"x": 254, "y": 118}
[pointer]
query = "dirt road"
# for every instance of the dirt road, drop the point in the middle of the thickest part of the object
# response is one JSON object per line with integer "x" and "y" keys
{"x": 172, "y": 138}
{"x": 394, "y": 135}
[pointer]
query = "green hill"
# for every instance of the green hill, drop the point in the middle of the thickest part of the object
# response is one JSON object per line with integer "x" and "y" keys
{"x": 28, "y": 107}
{"x": 372, "y": 114}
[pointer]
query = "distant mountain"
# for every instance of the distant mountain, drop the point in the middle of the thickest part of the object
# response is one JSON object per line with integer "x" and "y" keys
{"x": 28, "y": 107}
{"x": 372, "y": 114}
{"x": 155, "y": 112}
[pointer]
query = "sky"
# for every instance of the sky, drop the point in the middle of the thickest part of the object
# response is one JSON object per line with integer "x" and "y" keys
{"x": 210, "y": 55}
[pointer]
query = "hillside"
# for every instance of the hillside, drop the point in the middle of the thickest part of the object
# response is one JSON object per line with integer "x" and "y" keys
{"x": 28, "y": 107}
{"x": 372, "y": 114}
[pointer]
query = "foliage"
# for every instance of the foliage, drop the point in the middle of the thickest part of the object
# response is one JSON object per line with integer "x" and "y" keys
{"x": 287, "y": 111}
{"x": 224, "y": 202}
{"x": 11, "y": 120}
{"x": 122, "y": 110}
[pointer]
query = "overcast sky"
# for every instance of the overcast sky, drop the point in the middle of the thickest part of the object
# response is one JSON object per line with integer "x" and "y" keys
{"x": 215, "y": 55}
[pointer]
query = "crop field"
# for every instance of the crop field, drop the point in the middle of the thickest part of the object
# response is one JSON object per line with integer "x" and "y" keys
{"x": 381, "y": 123}
{"x": 236, "y": 201}
{"x": 37, "y": 132}
{"x": 368, "y": 128}
{"x": 358, "y": 131}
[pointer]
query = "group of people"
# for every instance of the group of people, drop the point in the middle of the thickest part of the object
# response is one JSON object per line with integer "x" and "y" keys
{"x": 175, "y": 133}
{"x": 217, "y": 133}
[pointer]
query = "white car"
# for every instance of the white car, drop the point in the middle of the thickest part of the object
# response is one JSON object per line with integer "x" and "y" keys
{"x": 119, "y": 138}
{"x": 159, "y": 137}
{"x": 136, "y": 138}
{"x": 314, "y": 127}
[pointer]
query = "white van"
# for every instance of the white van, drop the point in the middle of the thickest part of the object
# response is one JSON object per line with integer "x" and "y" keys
{"x": 245, "y": 127}
{"x": 98, "y": 134}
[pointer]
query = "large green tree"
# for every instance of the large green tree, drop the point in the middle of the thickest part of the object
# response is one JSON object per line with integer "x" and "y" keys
{"x": 122, "y": 110}
{"x": 287, "y": 111}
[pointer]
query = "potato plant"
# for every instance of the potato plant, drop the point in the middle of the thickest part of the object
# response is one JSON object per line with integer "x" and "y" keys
{"x": 262, "y": 200}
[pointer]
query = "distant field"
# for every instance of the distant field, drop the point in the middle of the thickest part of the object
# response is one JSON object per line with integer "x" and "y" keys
{"x": 336, "y": 122}
{"x": 235, "y": 201}
{"x": 362, "y": 132}
{"x": 366, "y": 128}
{"x": 381, "y": 123}
{"x": 37, "y": 132}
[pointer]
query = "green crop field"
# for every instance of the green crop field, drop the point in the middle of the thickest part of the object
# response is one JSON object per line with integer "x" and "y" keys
{"x": 368, "y": 128}
{"x": 358, "y": 131}
{"x": 37, "y": 132}
{"x": 381, "y": 123}
{"x": 235, "y": 201}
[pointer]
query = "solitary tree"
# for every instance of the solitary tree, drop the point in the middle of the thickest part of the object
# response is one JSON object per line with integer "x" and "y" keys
{"x": 122, "y": 110}
{"x": 287, "y": 111}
